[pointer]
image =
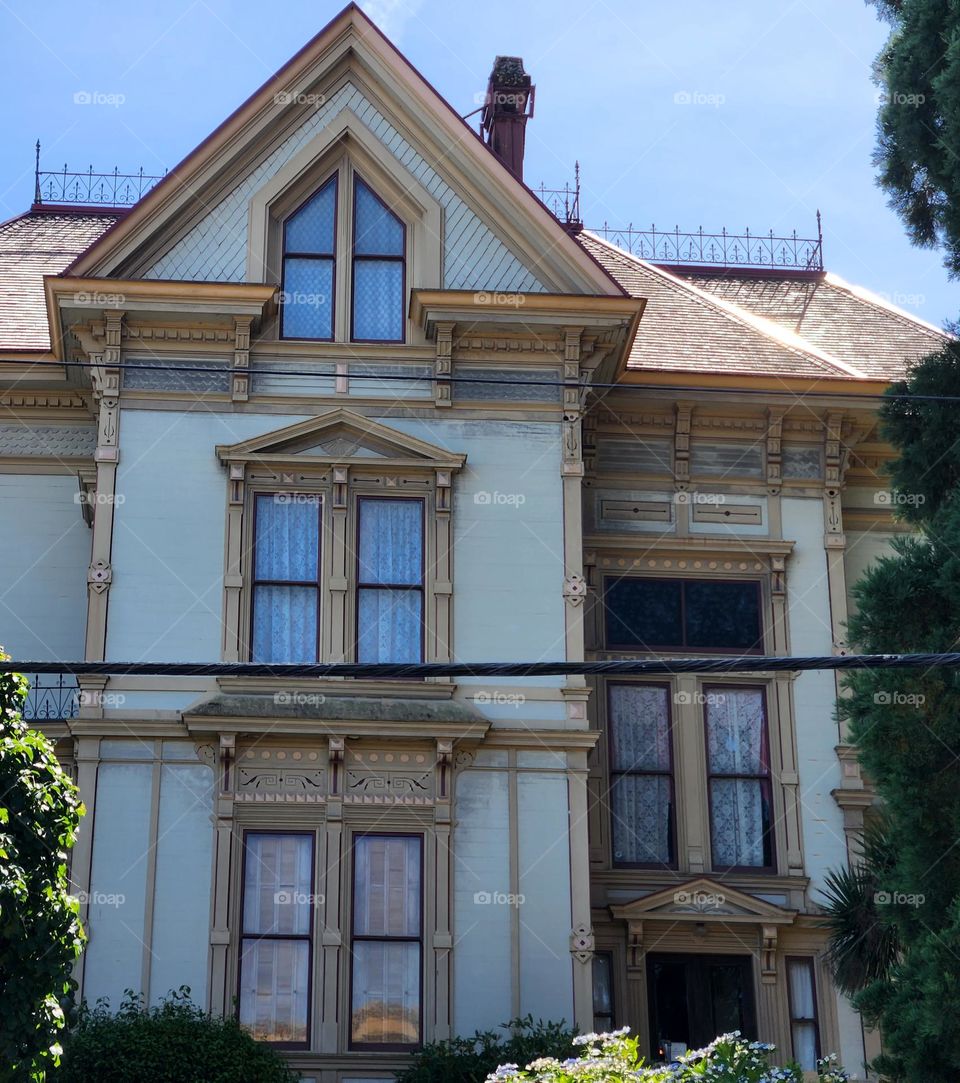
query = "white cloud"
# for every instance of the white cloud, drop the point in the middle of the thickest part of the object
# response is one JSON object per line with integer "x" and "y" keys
{"x": 391, "y": 16}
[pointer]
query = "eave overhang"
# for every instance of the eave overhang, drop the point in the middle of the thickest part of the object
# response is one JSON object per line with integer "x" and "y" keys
{"x": 82, "y": 300}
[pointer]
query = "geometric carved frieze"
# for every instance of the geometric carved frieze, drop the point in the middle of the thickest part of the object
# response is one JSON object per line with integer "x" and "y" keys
{"x": 280, "y": 774}
{"x": 404, "y": 776}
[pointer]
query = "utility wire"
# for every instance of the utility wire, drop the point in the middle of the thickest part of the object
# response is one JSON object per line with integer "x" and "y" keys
{"x": 420, "y": 670}
{"x": 226, "y": 370}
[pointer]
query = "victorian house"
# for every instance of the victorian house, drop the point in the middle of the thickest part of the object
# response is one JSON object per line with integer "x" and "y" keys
{"x": 341, "y": 388}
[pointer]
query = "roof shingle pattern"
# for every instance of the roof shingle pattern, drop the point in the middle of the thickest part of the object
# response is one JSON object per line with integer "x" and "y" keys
{"x": 31, "y": 246}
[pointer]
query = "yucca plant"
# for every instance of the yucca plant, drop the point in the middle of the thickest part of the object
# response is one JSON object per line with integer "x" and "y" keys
{"x": 863, "y": 940}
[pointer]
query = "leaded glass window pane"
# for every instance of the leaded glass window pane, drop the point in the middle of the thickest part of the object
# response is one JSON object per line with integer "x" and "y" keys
{"x": 378, "y": 300}
{"x": 377, "y": 231}
{"x": 307, "y": 300}
{"x": 312, "y": 228}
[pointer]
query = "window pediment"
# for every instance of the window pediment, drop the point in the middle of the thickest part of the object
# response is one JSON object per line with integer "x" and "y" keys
{"x": 702, "y": 900}
{"x": 340, "y": 438}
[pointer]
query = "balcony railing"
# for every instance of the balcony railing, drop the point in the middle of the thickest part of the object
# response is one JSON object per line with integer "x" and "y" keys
{"x": 51, "y": 698}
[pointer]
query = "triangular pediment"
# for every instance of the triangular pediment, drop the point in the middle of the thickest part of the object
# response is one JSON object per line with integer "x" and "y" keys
{"x": 341, "y": 437}
{"x": 703, "y": 900}
{"x": 199, "y": 223}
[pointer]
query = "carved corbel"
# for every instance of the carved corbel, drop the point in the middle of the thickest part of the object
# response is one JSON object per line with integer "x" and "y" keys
{"x": 443, "y": 364}
{"x": 240, "y": 384}
{"x": 768, "y": 954}
{"x": 681, "y": 445}
{"x": 335, "y": 750}
{"x": 774, "y": 451}
{"x": 228, "y": 749}
{"x": 635, "y": 946}
{"x": 444, "y": 768}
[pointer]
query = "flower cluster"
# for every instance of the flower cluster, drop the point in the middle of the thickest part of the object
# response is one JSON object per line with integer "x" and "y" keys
{"x": 614, "y": 1058}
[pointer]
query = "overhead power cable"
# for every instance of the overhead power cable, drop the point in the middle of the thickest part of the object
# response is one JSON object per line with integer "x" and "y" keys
{"x": 421, "y": 670}
{"x": 226, "y": 370}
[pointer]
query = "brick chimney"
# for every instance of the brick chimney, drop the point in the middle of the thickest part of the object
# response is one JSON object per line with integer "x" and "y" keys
{"x": 508, "y": 104}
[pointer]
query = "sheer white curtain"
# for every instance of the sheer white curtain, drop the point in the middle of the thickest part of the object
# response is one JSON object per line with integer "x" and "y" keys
{"x": 390, "y": 581}
{"x": 803, "y": 1012}
{"x": 286, "y": 567}
{"x": 737, "y": 746}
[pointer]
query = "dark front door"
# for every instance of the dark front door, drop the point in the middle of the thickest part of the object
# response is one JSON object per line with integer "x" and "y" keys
{"x": 693, "y": 998}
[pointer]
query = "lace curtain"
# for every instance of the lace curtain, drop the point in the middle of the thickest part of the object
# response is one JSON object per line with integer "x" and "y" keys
{"x": 739, "y": 805}
{"x": 641, "y": 788}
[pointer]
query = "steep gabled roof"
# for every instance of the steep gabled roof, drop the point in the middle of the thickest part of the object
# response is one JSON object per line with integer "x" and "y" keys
{"x": 688, "y": 330}
{"x": 848, "y": 322}
{"x": 351, "y": 34}
{"x": 33, "y": 245}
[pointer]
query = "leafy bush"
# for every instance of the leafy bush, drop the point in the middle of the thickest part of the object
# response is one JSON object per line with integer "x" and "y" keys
{"x": 40, "y": 932}
{"x": 471, "y": 1060}
{"x": 613, "y": 1058}
{"x": 172, "y": 1042}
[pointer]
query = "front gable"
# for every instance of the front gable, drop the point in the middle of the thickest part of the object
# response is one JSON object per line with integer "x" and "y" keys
{"x": 196, "y": 225}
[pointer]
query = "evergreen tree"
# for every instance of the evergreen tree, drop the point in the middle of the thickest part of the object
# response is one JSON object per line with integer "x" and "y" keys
{"x": 906, "y": 727}
{"x": 918, "y": 72}
{"x": 40, "y": 932}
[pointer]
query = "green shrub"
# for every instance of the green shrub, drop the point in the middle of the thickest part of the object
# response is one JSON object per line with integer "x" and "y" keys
{"x": 471, "y": 1060}
{"x": 172, "y": 1042}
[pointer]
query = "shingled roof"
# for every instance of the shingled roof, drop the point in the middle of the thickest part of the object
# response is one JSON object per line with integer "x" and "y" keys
{"x": 847, "y": 322}
{"x": 41, "y": 242}
{"x": 690, "y": 330}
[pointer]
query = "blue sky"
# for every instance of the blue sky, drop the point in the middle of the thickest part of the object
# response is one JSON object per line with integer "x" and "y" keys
{"x": 784, "y": 124}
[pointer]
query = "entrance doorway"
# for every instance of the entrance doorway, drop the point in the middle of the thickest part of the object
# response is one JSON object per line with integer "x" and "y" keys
{"x": 693, "y": 998}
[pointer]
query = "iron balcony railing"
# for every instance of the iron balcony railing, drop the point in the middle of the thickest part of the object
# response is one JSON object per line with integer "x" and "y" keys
{"x": 51, "y": 698}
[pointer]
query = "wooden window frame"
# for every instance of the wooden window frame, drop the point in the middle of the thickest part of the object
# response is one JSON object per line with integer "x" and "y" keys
{"x": 356, "y": 257}
{"x": 318, "y": 585}
{"x": 333, "y": 177}
{"x": 612, "y": 1014}
{"x": 809, "y": 962}
{"x": 671, "y": 775}
{"x": 420, "y": 940}
{"x": 683, "y": 648}
{"x": 360, "y": 585}
{"x": 765, "y": 779}
{"x": 309, "y": 936}
{"x": 345, "y": 175}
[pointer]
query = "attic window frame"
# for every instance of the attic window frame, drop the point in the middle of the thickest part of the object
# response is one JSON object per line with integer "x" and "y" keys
{"x": 347, "y": 171}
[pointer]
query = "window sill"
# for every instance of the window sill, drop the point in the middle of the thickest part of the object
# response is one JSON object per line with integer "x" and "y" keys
{"x": 436, "y": 688}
